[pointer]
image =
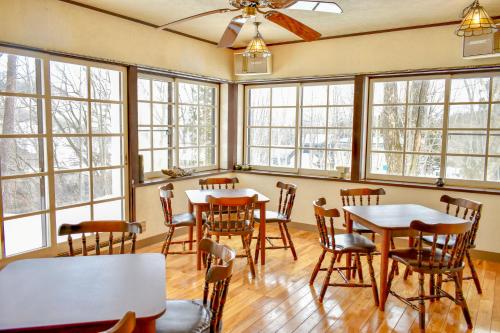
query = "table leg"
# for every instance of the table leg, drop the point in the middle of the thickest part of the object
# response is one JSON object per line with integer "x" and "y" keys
{"x": 262, "y": 233}
{"x": 384, "y": 267}
{"x": 199, "y": 235}
{"x": 348, "y": 223}
{"x": 191, "y": 229}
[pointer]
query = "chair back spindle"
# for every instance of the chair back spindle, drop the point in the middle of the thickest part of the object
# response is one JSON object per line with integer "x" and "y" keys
{"x": 218, "y": 183}
{"x": 286, "y": 199}
{"x": 465, "y": 209}
{"x": 231, "y": 214}
{"x": 166, "y": 195}
{"x": 325, "y": 222}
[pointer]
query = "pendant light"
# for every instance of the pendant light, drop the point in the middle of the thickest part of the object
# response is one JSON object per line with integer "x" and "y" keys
{"x": 475, "y": 21}
{"x": 257, "y": 47}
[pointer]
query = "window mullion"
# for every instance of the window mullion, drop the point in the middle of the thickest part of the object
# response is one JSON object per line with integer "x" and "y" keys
{"x": 488, "y": 128}
{"x": 444, "y": 141}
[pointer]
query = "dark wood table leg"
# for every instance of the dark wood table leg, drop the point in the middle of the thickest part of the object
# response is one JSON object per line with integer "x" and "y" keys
{"x": 262, "y": 233}
{"x": 384, "y": 267}
{"x": 199, "y": 235}
{"x": 191, "y": 229}
{"x": 348, "y": 222}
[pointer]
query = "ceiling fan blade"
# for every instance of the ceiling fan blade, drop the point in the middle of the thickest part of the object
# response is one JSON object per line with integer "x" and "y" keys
{"x": 232, "y": 31}
{"x": 292, "y": 25}
{"x": 216, "y": 11}
{"x": 327, "y": 6}
{"x": 279, "y": 4}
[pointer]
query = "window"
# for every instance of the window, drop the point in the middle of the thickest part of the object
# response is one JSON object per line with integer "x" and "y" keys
{"x": 429, "y": 127}
{"x": 61, "y": 148}
{"x": 304, "y": 128}
{"x": 177, "y": 124}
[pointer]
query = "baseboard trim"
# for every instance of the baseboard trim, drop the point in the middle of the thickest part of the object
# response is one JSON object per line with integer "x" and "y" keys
{"x": 476, "y": 254}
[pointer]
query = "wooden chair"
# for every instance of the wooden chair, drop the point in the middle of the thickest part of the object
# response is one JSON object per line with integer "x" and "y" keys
{"x": 232, "y": 217}
{"x": 132, "y": 229}
{"x": 218, "y": 183}
{"x": 202, "y": 315}
{"x": 440, "y": 258}
{"x": 337, "y": 245}
{"x": 125, "y": 325}
{"x": 174, "y": 221}
{"x": 281, "y": 217}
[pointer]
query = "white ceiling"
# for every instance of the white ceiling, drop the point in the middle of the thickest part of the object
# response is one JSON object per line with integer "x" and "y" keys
{"x": 358, "y": 16}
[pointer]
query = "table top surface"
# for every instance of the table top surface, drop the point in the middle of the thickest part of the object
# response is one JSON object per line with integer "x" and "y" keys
{"x": 70, "y": 291}
{"x": 199, "y": 197}
{"x": 399, "y": 216}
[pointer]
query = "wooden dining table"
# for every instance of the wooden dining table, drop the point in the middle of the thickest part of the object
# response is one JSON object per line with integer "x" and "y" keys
{"x": 82, "y": 294}
{"x": 391, "y": 221}
{"x": 198, "y": 204}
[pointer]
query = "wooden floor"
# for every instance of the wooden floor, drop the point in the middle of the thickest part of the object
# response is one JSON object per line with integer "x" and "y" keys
{"x": 281, "y": 300}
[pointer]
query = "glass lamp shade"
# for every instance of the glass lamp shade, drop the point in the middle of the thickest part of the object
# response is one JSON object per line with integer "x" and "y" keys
{"x": 475, "y": 22}
{"x": 257, "y": 48}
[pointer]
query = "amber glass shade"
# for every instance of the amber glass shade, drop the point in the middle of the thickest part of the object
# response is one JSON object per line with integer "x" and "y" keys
{"x": 257, "y": 47}
{"x": 475, "y": 22}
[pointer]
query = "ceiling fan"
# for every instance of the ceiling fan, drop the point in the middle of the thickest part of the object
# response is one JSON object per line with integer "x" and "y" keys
{"x": 250, "y": 8}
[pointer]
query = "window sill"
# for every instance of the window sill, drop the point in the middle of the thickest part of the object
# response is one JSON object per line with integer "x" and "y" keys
{"x": 377, "y": 182}
{"x": 166, "y": 179}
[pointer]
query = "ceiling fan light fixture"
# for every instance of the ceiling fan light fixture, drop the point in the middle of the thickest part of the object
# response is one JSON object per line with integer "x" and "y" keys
{"x": 257, "y": 46}
{"x": 475, "y": 22}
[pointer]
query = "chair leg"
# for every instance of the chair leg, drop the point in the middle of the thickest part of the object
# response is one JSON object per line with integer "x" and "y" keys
{"x": 290, "y": 241}
{"x": 191, "y": 232}
{"x": 393, "y": 247}
{"x": 283, "y": 236}
{"x": 372, "y": 278}
{"x": 461, "y": 300}
{"x": 407, "y": 273}
{"x": 432, "y": 286}
{"x": 326, "y": 282}
{"x": 168, "y": 241}
{"x": 359, "y": 268}
{"x": 421, "y": 302}
{"x": 317, "y": 267}
{"x": 475, "y": 277}
{"x": 248, "y": 252}
{"x": 391, "y": 277}
{"x": 373, "y": 237}
{"x": 257, "y": 249}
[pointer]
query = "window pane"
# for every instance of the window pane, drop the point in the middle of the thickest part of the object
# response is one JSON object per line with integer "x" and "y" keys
{"x": 188, "y": 158}
{"x": 106, "y": 118}
{"x": 108, "y": 184}
{"x": 106, "y": 211}
{"x": 69, "y": 117}
{"x": 340, "y": 117}
{"x": 188, "y": 115}
{"x": 18, "y": 74}
{"x": 388, "y": 140}
{"x": 494, "y": 169}
{"x": 467, "y": 142}
{"x": 426, "y": 91}
{"x": 496, "y": 89}
{"x": 465, "y": 167}
{"x": 207, "y": 95}
{"x": 207, "y": 116}
{"x": 283, "y": 137}
{"x": 258, "y": 136}
{"x": 260, "y": 97}
{"x": 336, "y": 159}
{"x": 470, "y": 90}
{"x": 340, "y": 139}
{"x": 314, "y": 117}
{"x": 68, "y": 80}
{"x": 342, "y": 94}
{"x": 283, "y": 117}
{"x": 393, "y": 92}
{"x": 163, "y": 138}
{"x": 144, "y": 116}
{"x": 422, "y": 165}
{"x": 71, "y": 153}
{"x": 23, "y": 195}
{"x": 284, "y": 158}
{"x": 387, "y": 163}
{"x": 106, "y": 151}
{"x": 21, "y": 156}
{"x": 314, "y": 95}
{"x": 284, "y": 96}
{"x": 313, "y": 159}
{"x": 423, "y": 141}
{"x": 162, "y": 91}
{"x": 494, "y": 143}
{"x": 72, "y": 188}
{"x": 425, "y": 116}
{"x": 314, "y": 138}
{"x": 19, "y": 115}
{"x": 25, "y": 234}
{"x": 105, "y": 84}
{"x": 258, "y": 156}
{"x": 207, "y": 136}
{"x": 146, "y": 156}
{"x": 162, "y": 159}
{"x": 207, "y": 156}
{"x": 495, "y": 116}
{"x": 188, "y": 93}
{"x": 144, "y": 139}
{"x": 71, "y": 216}
{"x": 188, "y": 136}
{"x": 143, "y": 89}
{"x": 468, "y": 116}
{"x": 388, "y": 116}
{"x": 163, "y": 114}
{"x": 259, "y": 117}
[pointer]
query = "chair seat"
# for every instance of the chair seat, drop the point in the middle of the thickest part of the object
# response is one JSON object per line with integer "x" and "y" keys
{"x": 226, "y": 226}
{"x": 408, "y": 257}
{"x": 271, "y": 216}
{"x": 184, "y": 316}
{"x": 183, "y": 220}
{"x": 359, "y": 228}
{"x": 353, "y": 243}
